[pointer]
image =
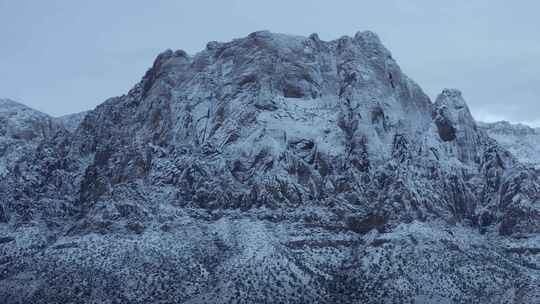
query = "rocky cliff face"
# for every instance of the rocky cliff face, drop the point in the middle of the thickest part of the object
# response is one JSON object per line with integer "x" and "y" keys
{"x": 272, "y": 168}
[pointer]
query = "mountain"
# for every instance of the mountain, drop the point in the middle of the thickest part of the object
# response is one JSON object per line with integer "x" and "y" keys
{"x": 21, "y": 122}
{"x": 72, "y": 121}
{"x": 272, "y": 168}
{"x": 521, "y": 140}
{"x": 21, "y": 131}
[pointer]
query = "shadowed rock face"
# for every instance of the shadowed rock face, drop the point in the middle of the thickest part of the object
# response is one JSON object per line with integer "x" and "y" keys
{"x": 270, "y": 168}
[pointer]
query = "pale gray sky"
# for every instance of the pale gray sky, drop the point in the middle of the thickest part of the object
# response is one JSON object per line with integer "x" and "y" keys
{"x": 66, "y": 56}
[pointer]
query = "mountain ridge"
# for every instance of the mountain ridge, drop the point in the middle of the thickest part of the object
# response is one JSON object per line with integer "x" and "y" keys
{"x": 520, "y": 139}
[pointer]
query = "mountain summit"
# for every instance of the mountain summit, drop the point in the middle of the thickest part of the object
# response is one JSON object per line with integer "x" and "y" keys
{"x": 272, "y": 168}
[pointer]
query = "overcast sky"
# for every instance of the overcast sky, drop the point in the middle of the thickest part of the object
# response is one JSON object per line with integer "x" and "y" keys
{"x": 67, "y": 56}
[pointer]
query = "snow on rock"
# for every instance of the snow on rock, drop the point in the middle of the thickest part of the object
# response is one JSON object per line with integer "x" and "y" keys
{"x": 21, "y": 130}
{"x": 21, "y": 122}
{"x": 271, "y": 168}
{"x": 521, "y": 140}
{"x": 72, "y": 121}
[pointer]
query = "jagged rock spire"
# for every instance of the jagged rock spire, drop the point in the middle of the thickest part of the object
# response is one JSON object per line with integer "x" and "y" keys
{"x": 455, "y": 124}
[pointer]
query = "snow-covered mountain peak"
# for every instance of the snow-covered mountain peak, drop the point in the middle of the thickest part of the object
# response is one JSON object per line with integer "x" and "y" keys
{"x": 521, "y": 140}
{"x": 9, "y": 107}
{"x": 367, "y": 36}
{"x": 21, "y": 130}
{"x": 22, "y": 122}
{"x": 452, "y": 99}
{"x": 455, "y": 124}
{"x": 505, "y": 127}
{"x": 270, "y": 168}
